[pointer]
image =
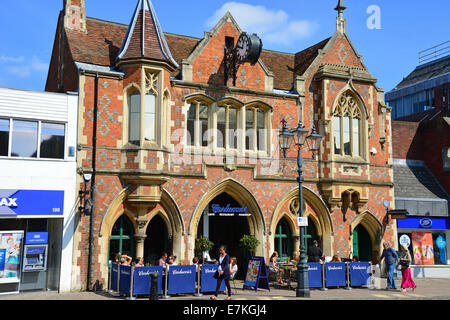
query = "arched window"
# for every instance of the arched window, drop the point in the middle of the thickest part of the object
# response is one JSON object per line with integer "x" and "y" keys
{"x": 122, "y": 238}
{"x": 255, "y": 129}
{"x": 134, "y": 118}
{"x": 283, "y": 239}
{"x": 347, "y": 124}
{"x": 197, "y": 124}
{"x": 227, "y": 126}
{"x": 150, "y": 116}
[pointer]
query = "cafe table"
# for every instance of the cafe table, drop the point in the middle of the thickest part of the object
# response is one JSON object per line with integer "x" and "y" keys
{"x": 287, "y": 270}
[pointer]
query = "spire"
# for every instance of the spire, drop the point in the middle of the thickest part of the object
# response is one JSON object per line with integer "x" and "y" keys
{"x": 144, "y": 38}
{"x": 341, "y": 23}
{"x": 340, "y": 8}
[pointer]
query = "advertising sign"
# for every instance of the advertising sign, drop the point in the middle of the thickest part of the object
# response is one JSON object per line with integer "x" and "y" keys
{"x": 182, "y": 279}
{"x": 423, "y": 248}
{"x": 114, "y": 276}
{"x": 335, "y": 274}
{"x": 405, "y": 240}
{"x": 256, "y": 271}
{"x": 36, "y": 238}
{"x": 209, "y": 283}
{"x": 125, "y": 280}
{"x": 10, "y": 256}
{"x": 141, "y": 280}
{"x": 359, "y": 273}
{"x": 315, "y": 274}
{"x": 31, "y": 202}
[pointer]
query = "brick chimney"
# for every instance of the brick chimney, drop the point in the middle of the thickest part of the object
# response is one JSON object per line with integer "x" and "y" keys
{"x": 75, "y": 15}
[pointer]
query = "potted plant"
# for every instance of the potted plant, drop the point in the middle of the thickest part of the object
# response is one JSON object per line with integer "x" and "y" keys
{"x": 202, "y": 244}
{"x": 249, "y": 243}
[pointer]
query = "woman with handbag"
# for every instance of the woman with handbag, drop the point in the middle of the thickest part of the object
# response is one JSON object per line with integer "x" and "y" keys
{"x": 405, "y": 260}
{"x": 223, "y": 273}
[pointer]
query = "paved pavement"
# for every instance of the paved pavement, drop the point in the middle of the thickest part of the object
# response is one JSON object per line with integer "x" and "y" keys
{"x": 427, "y": 289}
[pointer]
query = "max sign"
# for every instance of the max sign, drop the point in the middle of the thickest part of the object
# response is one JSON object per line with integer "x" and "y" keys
{"x": 14, "y": 202}
{"x": 8, "y": 202}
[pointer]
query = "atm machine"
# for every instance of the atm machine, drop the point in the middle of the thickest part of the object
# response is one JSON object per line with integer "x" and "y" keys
{"x": 34, "y": 267}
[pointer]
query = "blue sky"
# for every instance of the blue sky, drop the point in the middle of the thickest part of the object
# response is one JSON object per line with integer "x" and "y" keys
{"x": 390, "y": 50}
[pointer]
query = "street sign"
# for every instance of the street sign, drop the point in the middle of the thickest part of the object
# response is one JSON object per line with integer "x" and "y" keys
{"x": 302, "y": 222}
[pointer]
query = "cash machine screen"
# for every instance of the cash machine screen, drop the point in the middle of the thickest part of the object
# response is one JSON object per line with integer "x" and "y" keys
{"x": 35, "y": 258}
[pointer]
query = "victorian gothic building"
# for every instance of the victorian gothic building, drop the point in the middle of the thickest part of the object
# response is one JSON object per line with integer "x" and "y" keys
{"x": 179, "y": 133}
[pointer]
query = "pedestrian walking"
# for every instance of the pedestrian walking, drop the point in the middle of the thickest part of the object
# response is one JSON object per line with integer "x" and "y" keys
{"x": 405, "y": 261}
{"x": 390, "y": 259}
{"x": 223, "y": 273}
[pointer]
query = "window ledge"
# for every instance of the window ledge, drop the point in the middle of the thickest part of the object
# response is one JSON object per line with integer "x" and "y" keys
{"x": 354, "y": 159}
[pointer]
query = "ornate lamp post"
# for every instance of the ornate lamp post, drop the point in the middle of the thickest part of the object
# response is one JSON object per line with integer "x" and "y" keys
{"x": 300, "y": 136}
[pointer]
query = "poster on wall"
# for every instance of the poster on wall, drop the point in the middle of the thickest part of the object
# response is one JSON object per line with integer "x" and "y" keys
{"x": 423, "y": 248}
{"x": 10, "y": 256}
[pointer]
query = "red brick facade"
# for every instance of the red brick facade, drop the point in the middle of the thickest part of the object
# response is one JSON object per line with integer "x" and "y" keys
{"x": 155, "y": 179}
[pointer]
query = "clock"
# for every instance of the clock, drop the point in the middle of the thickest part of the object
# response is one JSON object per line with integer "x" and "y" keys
{"x": 248, "y": 48}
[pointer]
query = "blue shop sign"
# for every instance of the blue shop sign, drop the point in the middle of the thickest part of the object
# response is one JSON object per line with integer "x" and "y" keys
{"x": 15, "y": 202}
{"x": 36, "y": 238}
{"x": 435, "y": 223}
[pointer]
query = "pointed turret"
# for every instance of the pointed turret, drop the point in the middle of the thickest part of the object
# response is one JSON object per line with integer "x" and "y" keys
{"x": 341, "y": 23}
{"x": 144, "y": 39}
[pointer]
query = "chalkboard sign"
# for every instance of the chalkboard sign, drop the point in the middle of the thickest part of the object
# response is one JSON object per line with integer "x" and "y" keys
{"x": 257, "y": 275}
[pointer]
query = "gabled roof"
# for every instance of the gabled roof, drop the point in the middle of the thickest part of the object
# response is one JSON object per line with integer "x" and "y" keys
{"x": 104, "y": 41}
{"x": 304, "y": 58}
{"x": 144, "y": 38}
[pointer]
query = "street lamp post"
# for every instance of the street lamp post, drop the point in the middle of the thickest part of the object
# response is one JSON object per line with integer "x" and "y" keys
{"x": 300, "y": 136}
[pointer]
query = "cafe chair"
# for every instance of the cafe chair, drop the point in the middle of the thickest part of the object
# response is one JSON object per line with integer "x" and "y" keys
{"x": 232, "y": 278}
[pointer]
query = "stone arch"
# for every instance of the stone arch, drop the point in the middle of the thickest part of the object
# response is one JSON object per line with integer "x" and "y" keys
{"x": 169, "y": 212}
{"x": 373, "y": 227}
{"x": 324, "y": 224}
{"x": 244, "y": 197}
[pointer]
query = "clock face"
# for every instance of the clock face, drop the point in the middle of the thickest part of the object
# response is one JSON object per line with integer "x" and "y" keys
{"x": 242, "y": 48}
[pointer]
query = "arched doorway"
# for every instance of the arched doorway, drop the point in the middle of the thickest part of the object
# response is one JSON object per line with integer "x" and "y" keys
{"x": 362, "y": 244}
{"x": 283, "y": 239}
{"x": 311, "y": 234}
{"x": 122, "y": 238}
{"x": 157, "y": 240}
{"x": 223, "y": 224}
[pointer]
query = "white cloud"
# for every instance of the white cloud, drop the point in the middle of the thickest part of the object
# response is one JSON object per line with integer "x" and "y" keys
{"x": 23, "y": 68}
{"x": 272, "y": 26}
{"x": 12, "y": 59}
{"x": 19, "y": 71}
{"x": 38, "y": 65}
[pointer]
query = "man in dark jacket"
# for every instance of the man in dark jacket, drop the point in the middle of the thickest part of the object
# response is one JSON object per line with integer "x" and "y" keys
{"x": 315, "y": 254}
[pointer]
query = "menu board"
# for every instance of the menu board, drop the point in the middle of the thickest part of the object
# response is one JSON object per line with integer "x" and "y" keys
{"x": 257, "y": 275}
{"x": 10, "y": 256}
{"x": 423, "y": 248}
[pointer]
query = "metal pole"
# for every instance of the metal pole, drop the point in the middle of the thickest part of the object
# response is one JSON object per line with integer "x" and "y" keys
{"x": 323, "y": 278}
{"x": 198, "y": 294}
{"x": 302, "y": 268}
{"x": 165, "y": 296}
{"x": 348, "y": 276}
{"x": 91, "y": 216}
{"x": 132, "y": 284}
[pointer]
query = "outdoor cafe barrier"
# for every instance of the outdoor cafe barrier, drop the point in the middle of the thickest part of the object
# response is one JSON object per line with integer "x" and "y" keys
{"x": 131, "y": 281}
